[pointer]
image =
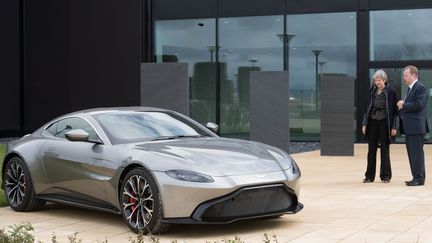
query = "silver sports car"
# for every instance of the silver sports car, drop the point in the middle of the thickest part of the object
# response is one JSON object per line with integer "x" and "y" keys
{"x": 155, "y": 167}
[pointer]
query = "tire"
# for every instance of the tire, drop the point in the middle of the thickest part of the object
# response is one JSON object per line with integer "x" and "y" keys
{"x": 19, "y": 191}
{"x": 142, "y": 213}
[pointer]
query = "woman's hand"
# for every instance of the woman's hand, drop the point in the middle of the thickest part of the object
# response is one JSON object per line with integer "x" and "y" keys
{"x": 393, "y": 132}
{"x": 364, "y": 130}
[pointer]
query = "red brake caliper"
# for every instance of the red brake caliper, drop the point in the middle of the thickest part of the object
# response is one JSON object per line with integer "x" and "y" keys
{"x": 131, "y": 200}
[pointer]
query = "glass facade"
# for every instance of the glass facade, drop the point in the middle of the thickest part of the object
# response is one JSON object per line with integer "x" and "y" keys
{"x": 309, "y": 46}
{"x": 192, "y": 41}
{"x": 320, "y": 45}
{"x": 400, "y": 35}
{"x": 246, "y": 44}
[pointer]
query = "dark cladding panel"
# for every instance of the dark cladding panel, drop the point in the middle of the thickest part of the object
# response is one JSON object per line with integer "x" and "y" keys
{"x": 234, "y": 8}
{"x": 165, "y": 85}
{"x": 337, "y": 116}
{"x": 399, "y": 4}
{"x": 316, "y": 6}
{"x": 184, "y": 9}
{"x": 9, "y": 66}
{"x": 105, "y": 53}
{"x": 46, "y": 61}
{"x": 269, "y": 108}
{"x": 363, "y": 4}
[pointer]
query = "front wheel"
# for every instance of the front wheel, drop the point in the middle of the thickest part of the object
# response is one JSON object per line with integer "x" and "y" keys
{"x": 141, "y": 203}
{"x": 19, "y": 189}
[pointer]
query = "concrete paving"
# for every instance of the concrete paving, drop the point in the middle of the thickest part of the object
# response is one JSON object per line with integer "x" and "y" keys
{"x": 338, "y": 208}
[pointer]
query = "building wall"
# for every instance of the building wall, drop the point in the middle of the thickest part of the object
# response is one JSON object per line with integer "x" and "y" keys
{"x": 59, "y": 56}
{"x": 9, "y": 67}
{"x": 80, "y": 54}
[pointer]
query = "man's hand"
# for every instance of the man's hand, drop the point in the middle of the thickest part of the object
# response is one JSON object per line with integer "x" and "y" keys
{"x": 393, "y": 132}
{"x": 400, "y": 104}
{"x": 364, "y": 130}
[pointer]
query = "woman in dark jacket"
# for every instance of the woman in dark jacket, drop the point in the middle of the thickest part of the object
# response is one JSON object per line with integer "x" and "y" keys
{"x": 379, "y": 125}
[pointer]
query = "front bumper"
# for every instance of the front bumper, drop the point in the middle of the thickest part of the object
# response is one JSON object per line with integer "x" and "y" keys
{"x": 188, "y": 200}
{"x": 245, "y": 203}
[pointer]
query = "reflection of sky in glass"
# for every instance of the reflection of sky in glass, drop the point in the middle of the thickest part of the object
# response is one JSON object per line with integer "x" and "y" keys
{"x": 251, "y": 38}
{"x": 401, "y": 34}
{"x": 187, "y": 39}
{"x": 144, "y": 125}
{"x": 334, "y": 33}
{"x": 255, "y": 38}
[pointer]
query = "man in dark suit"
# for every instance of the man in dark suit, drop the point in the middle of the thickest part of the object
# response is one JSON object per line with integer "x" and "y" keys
{"x": 413, "y": 123}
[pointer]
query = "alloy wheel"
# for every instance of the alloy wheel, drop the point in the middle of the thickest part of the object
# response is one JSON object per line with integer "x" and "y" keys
{"x": 15, "y": 184}
{"x": 137, "y": 201}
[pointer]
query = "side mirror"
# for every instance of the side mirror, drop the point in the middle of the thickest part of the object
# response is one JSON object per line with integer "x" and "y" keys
{"x": 212, "y": 126}
{"x": 80, "y": 135}
{"x": 77, "y": 135}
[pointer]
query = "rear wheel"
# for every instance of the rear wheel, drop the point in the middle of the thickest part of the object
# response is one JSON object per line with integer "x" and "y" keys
{"x": 141, "y": 203}
{"x": 19, "y": 189}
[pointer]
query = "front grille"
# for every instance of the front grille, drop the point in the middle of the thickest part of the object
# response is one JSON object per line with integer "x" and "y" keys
{"x": 248, "y": 202}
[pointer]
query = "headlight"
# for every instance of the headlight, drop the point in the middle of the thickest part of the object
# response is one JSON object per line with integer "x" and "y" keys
{"x": 191, "y": 176}
{"x": 294, "y": 167}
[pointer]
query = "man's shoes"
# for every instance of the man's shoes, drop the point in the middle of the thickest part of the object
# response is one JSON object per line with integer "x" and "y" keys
{"x": 366, "y": 180}
{"x": 415, "y": 183}
{"x": 385, "y": 180}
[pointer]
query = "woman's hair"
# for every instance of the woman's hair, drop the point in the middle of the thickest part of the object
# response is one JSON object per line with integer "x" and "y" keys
{"x": 380, "y": 74}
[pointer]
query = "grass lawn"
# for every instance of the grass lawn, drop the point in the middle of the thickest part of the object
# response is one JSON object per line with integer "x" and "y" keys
{"x": 2, "y": 196}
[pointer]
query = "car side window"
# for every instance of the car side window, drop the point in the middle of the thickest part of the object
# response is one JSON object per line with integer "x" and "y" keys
{"x": 68, "y": 124}
{"x": 52, "y": 128}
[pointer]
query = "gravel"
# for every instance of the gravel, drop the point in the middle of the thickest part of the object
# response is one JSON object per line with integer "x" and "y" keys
{"x": 300, "y": 147}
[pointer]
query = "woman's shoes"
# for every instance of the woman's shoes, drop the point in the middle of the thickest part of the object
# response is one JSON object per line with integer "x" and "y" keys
{"x": 366, "y": 180}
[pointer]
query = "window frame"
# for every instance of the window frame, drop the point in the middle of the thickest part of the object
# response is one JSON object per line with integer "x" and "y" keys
{"x": 46, "y": 133}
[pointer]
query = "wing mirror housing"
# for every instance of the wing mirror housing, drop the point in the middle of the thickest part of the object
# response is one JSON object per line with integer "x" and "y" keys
{"x": 80, "y": 135}
{"x": 212, "y": 126}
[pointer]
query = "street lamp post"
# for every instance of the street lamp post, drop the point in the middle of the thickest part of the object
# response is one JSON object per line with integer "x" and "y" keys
{"x": 321, "y": 63}
{"x": 253, "y": 61}
{"x": 212, "y": 49}
{"x": 286, "y": 39}
{"x": 316, "y": 52}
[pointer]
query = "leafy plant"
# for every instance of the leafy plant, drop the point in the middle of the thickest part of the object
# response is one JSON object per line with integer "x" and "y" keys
{"x": 270, "y": 238}
{"x": 2, "y": 154}
{"x": 73, "y": 238}
{"x": 141, "y": 238}
{"x": 18, "y": 233}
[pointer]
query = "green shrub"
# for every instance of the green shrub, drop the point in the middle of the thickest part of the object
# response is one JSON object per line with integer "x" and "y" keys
{"x": 18, "y": 233}
{"x": 2, "y": 195}
{"x": 23, "y": 233}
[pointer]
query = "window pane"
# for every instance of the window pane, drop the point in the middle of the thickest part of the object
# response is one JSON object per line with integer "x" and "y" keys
{"x": 400, "y": 35}
{"x": 69, "y": 124}
{"x": 396, "y": 81}
{"x": 192, "y": 41}
{"x": 126, "y": 127}
{"x": 246, "y": 44}
{"x": 321, "y": 45}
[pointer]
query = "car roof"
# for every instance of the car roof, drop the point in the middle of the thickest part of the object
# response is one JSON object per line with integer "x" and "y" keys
{"x": 102, "y": 110}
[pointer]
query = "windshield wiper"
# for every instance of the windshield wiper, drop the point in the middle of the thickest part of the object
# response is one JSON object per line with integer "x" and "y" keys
{"x": 177, "y": 136}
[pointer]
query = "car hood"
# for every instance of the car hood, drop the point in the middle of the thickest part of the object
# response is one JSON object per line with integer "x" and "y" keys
{"x": 211, "y": 156}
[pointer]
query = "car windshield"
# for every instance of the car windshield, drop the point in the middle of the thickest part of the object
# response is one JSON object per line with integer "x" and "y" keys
{"x": 129, "y": 127}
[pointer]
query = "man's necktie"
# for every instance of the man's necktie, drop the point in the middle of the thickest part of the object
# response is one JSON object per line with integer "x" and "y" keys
{"x": 407, "y": 93}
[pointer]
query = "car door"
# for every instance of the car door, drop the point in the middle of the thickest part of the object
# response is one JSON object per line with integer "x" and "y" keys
{"x": 75, "y": 169}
